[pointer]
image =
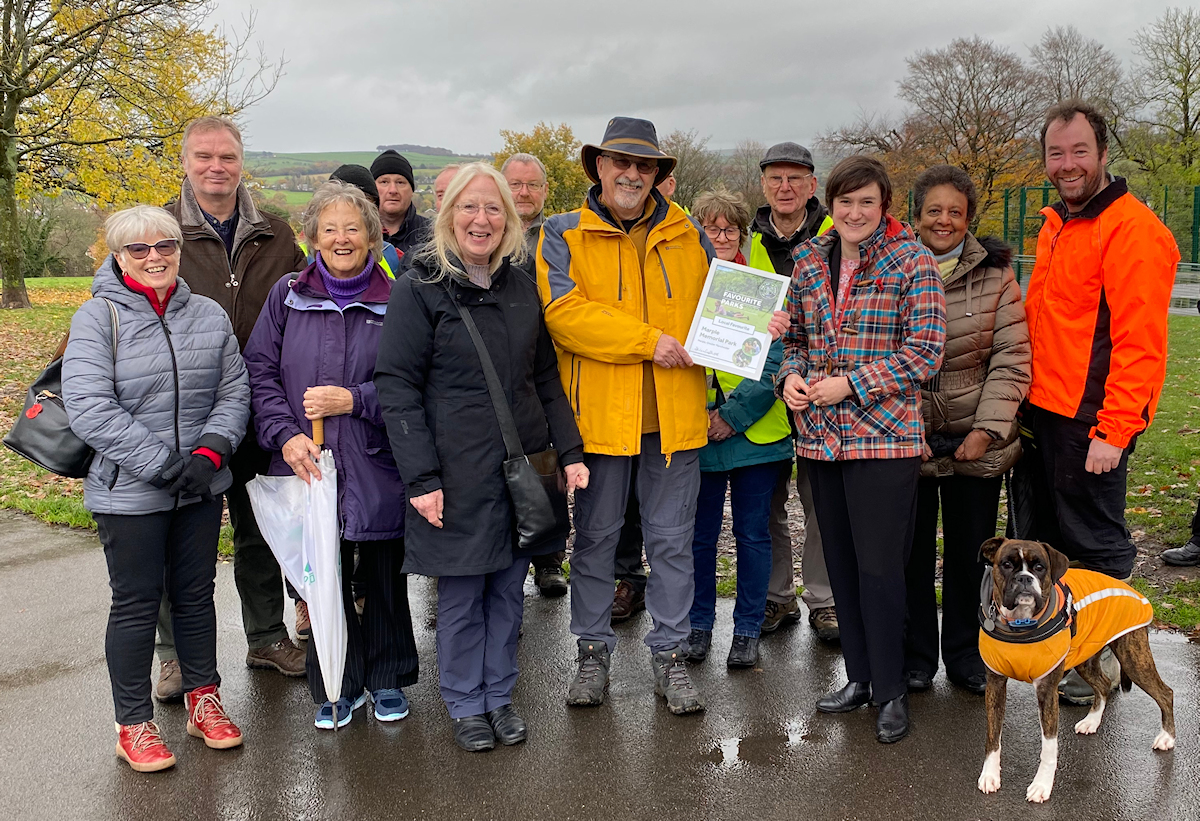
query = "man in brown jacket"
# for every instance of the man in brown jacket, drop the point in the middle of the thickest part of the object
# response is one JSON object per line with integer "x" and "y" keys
{"x": 234, "y": 253}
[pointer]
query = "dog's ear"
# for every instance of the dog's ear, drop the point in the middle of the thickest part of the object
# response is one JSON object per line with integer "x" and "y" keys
{"x": 987, "y": 550}
{"x": 1059, "y": 563}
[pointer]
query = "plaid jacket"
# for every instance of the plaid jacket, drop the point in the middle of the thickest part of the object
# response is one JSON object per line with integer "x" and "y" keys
{"x": 890, "y": 340}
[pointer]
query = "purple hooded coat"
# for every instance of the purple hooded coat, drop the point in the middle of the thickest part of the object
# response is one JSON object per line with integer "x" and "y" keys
{"x": 302, "y": 340}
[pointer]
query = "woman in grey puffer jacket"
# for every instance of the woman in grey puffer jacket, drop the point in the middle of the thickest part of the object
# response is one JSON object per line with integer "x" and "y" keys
{"x": 971, "y": 436}
{"x": 163, "y": 405}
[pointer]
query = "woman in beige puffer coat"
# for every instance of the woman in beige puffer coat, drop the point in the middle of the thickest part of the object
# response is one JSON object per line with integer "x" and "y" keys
{"x": 971, "y": 437}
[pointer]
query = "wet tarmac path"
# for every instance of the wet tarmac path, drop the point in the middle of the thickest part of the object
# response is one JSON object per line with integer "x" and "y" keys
{"x": 759, "y": 752}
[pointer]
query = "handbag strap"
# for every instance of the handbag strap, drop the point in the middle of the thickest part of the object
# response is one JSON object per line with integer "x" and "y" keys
{"x": 508, "y": 425}
{"x": 114, "y": 324}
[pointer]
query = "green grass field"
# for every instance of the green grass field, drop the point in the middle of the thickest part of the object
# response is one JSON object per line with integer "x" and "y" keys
{"x": 1164, "y": 476}
{"x": 264, "y": 166}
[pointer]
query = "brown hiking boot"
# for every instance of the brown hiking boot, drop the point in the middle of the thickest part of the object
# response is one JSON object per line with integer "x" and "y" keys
{"x": 283, "y": 656}
{"x": 777, "y": 614}
{"x": 170, "y": 682}
{"x": 824, "y": 621}
{"x": 303, "y": 623}
{"x": 627, "y": 600}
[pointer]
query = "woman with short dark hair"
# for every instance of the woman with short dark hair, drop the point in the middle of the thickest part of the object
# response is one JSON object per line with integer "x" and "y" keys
{"x": 868, "y": 326}
{"x": 971, "y": 434}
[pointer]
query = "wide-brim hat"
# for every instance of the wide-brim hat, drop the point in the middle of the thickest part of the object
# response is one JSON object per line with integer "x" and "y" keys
{"x": 628, "y": 135}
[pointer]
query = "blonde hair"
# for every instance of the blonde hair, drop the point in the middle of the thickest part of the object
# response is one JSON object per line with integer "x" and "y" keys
{"x": 443, "y": 242}
{"x": 336, "y": 192}
{"x": 721, "y": 202}
{"x": 139, "y": 224}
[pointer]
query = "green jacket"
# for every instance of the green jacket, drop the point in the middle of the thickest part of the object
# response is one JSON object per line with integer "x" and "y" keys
{"x": 749, "y": 402}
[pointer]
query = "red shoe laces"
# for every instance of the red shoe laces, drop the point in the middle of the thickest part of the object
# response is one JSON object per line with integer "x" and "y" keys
{"x": 207, "y": 710}
{"x": 144, "y": 736}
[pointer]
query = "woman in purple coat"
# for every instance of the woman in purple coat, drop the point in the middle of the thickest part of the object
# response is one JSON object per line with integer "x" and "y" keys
{"x": 312, "y": 356}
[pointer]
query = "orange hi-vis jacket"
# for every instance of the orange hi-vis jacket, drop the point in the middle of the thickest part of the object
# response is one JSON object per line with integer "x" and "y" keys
{"x": 1097, "y": 311}
{"x": 1104, "y": 609}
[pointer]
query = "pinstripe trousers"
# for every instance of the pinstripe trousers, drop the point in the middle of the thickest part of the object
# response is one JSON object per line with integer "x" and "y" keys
{"x": 381, "y": 652}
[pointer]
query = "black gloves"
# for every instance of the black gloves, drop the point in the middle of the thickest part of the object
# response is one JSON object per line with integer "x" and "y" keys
{"x": 169, "y": 472}
{"x": 195, "y": 478}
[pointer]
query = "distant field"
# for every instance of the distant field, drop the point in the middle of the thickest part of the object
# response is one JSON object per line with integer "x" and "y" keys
{"x": 261, "y": 165}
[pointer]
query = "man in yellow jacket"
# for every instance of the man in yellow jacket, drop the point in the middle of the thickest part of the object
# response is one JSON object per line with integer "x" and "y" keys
{"x": 620, "y": 279}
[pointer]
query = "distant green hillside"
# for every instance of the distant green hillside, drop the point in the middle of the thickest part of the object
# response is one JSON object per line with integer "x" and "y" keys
{"x": 270, "y": 164}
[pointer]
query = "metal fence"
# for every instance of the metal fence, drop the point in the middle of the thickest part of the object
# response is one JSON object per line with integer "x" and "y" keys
{"x": 1185, "y": 296}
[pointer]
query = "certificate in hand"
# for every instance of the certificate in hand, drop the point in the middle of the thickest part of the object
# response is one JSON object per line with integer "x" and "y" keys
{"x": 729, "y": 332}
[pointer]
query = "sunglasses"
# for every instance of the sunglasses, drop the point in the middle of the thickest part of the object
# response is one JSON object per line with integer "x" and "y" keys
{"x": 140, "y": 250}
{"x": 623, "y": 163}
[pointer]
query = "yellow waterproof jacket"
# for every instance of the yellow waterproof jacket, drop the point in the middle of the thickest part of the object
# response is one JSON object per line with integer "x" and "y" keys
{"x": 605, "y": 325}
{"x": 1104, "y": 609}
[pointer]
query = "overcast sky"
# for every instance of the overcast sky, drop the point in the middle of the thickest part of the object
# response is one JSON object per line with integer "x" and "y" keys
{"x": 452, "y": 73}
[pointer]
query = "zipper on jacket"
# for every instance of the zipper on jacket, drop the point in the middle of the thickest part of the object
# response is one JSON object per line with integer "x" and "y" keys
{"x": 162, "y": 320}
{"x": 663, "y": 266}
{"x": 620, "y": 279}
{"x": 576, "y": 378}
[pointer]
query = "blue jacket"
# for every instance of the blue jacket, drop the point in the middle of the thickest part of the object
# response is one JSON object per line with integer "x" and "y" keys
{"x": 177, "y": 377}
{"x": 302, "y": 340}
{"x": 744, "y": 406}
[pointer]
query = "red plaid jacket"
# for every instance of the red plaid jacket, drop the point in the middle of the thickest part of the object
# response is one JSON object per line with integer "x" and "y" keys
{"x": 890, "y": 340}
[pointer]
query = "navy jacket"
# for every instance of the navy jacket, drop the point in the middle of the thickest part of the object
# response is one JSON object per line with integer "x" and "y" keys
{"x": 302, "y": 340}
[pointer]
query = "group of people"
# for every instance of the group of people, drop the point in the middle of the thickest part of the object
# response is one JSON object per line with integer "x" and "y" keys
{"x": 906, "y": 377}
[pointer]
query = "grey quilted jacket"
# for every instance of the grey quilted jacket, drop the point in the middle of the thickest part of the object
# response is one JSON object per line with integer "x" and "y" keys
{"x": 176, "y": 379}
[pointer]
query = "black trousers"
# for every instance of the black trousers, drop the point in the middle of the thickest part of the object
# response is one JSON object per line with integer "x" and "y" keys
{"x": 1080, "y": 513}
{"x": 381, "y": 652}
{"x": 629, "y": 565}
{"x": 866, "y": 509}
{"x": 968, "y": 506}
{"x": 1196, "y": 525}
{"x": 175, "y": 549}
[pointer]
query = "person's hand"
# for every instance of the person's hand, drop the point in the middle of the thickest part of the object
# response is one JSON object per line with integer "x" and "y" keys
{"x": 430, "y": 506}
{"x": 1103, "y": 457}
{"x": 327, "y": 400}
{"x": 668, "y": 353}
{"x": 829, "y": 391}
{"x": 577, "y": 476}
{"x": 778, "y": 324}
{"x": 795, "y": 392}
{"x": 973, "y": 446}
{"x": 926, "y": 451}
{"x": 197, "y": 476}
{"x": 718, "y": 429}
{"x": 301, "y": 454}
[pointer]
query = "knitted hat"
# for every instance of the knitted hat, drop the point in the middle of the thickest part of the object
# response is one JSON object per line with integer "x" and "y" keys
{"x": 392, "y": 162}
{"x": 360, "y": 178}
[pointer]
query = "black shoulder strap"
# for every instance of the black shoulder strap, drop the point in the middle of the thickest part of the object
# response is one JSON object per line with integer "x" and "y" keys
{"x": 508, "y": 425}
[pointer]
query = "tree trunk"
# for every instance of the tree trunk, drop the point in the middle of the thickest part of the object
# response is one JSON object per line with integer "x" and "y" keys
{"x": 15, "y": 295}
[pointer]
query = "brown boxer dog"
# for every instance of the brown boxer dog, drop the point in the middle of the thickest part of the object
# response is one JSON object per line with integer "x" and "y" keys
{"x": 1038, "y": 619}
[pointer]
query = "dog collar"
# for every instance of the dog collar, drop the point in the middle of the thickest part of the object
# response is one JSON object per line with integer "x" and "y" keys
{"x": 1056, "y": 615}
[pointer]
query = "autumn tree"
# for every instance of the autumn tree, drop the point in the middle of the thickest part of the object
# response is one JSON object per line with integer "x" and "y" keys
{"x": 742, "y": 175}
{"x": 94, "y": 95}
{"x": 697, "y": 169}
{"x": 557, "y": 148}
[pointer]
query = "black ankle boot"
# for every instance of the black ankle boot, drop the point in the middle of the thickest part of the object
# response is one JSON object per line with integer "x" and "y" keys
{"x": 849, "y": 698}
{"x": 892, "y": 723}
{"x": 474, "y": 733}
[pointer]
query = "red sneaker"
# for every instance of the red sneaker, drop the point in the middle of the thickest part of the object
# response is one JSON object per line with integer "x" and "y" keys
{"x": 207, "y": 719}
{"x": 143, "y": 747}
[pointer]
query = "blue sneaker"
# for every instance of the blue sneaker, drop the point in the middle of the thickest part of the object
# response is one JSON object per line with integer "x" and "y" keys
{"x": 345, "y": 711}
{"x": 390, "y": 705}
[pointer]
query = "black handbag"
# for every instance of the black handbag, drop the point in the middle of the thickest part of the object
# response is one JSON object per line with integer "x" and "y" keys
{"x": 42, "y": 434}
{"x": 536, "y": 482}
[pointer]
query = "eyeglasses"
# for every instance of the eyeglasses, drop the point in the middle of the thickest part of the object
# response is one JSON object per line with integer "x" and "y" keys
{"x": 533, "y": 187}
{"x": 472, "y": 209}
{"x": 794, "y": 180}
{"x": 623, "y": 163}
{"x": 732, "y": 232}
{"x": 140, "y": 250}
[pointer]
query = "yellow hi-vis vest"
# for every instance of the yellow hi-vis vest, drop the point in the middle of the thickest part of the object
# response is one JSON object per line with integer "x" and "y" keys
{"x": 760, "y": 259}
{"x": 772, "y": 427}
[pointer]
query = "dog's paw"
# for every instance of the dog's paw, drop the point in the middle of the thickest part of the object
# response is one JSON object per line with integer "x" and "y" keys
{"x": 1089, "y": 723}
{"x": 1039, "y": 790}
{"x": 1164, "y": 741}
{"x": 989, "y": 778}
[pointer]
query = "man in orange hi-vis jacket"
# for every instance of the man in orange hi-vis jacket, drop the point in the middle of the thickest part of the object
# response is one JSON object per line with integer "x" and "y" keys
{"x": 1097, "y": 312}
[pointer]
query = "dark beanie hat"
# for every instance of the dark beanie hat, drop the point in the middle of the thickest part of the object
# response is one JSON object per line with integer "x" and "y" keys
{"x": 392, "y": 162}
{"x": 360, "y": 178}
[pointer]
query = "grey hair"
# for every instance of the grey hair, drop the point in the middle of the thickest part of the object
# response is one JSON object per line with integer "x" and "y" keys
{"x": 139, "y": 224}
{"x": 335, "y": 192}
{"x": 529, "y": 158}
{"x": 204, "y": 125}
{"x": 443, "y": 243}
{"x": 455, "y": 167}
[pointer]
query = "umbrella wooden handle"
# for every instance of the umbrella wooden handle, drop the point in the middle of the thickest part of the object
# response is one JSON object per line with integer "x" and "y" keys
{"x": 319, "y": 432}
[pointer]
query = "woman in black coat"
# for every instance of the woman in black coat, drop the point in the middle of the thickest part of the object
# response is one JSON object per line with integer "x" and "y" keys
{"x": 448, "y": 445}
